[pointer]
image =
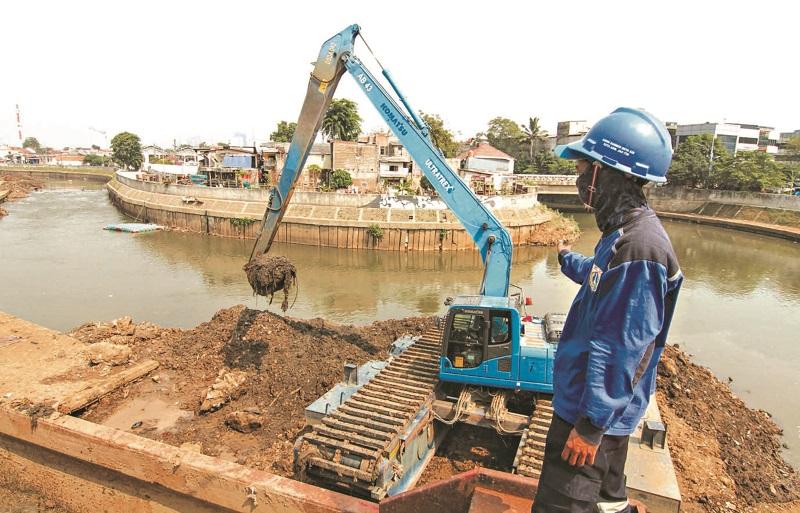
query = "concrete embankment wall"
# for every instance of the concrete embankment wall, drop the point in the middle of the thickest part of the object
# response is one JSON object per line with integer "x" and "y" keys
{"x": 318, "y": 219}
{"x": 99, "y": 175}
{"x": 767, "y": 214}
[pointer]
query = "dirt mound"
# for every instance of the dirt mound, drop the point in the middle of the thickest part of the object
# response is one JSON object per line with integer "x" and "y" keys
{"x": 289, "y": 363}
{"x": 19, "y": 186}
{"x": 726, "y": 455}
{"x": 267, "y": 275}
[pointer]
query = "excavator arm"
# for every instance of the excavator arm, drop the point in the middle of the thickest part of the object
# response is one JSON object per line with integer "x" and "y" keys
{"x": 336, "y": 56}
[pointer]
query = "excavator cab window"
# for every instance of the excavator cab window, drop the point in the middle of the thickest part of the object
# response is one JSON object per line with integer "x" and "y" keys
{"x": 466, "y": 336}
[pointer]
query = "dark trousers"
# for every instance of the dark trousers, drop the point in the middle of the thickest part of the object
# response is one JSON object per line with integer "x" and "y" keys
{"x": 567, "y": 489}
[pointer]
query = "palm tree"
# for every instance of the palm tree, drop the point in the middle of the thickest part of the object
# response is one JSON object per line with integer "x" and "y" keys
{"x": 534, "y": 135}
{"x": 342, "y": 121}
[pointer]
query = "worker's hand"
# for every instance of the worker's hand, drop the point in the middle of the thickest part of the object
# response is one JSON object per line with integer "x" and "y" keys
{"x": 564, "y": 245}
{"x": 577, "y": 451}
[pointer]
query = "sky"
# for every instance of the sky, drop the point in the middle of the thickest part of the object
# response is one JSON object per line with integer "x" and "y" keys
{"x": 229, "y": 71}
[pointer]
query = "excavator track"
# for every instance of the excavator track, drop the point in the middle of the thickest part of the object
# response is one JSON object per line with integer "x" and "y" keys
{"x": 355, "y": 447}
{"x": 530, "y": 453}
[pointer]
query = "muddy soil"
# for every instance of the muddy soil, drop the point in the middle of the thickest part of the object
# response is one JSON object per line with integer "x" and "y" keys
{"x": 269, "y": 274}
{"x": 16, "y": 501}
{"x": 18, "y": 187}
{"x": 727, "y": 456}
{"x": 289, "y": 363}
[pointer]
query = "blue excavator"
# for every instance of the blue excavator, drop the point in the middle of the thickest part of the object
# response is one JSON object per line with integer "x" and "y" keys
{"x": 488, "y": 363}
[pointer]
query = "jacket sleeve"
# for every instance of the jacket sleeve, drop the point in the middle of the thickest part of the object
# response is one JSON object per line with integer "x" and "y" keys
{"x": 629, "y": 317}
{"x": 575, "y": 266}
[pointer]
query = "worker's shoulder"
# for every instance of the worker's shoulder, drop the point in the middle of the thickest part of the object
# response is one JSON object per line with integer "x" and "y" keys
{"x": 644, "y": 239}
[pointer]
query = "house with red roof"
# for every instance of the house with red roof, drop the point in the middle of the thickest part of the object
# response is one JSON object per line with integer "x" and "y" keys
{"x": 485, "y": 168}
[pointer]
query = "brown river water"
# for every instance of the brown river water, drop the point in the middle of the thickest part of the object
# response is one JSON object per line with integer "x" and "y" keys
{"x": 739, "y": 311}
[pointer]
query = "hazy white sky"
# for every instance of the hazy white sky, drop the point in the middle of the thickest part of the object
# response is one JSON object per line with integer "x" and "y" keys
{"x": 205, "y": 71}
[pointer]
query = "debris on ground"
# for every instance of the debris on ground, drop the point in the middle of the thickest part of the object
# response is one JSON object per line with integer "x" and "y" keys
{"x": 227, "y": 387}
{"x": 245, "y": 421}
{"x": 269, "y": 274}
{"x": 108, "y": 353}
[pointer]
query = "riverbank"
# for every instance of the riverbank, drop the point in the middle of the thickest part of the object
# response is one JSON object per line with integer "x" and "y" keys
{"x": 13, "y": 187}
{"x": 345, "y": 221}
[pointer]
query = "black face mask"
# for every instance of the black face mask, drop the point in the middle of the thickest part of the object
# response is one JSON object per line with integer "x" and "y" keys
{"x": 614, "y": 196}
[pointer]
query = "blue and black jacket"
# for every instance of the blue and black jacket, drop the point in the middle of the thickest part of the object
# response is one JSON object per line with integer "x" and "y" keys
{"x": 605, "y": 365}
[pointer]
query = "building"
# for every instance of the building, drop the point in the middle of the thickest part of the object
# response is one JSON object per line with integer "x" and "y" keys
{"x": 160, "y": 160}
{"x": 734, "y": 137}
{"x": 360, "y": 159}
{"x": 570, "y": 131}
{"x": 485, "y": 168}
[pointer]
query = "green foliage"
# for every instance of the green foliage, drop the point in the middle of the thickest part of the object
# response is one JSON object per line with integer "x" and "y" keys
{"x": 375, "y": 231}
{"x": 32, "y": 143}
{"x": 750, "y": 171}
{"x": 442, "y": 138}
{"x": 284, "y": 132}
{"x": 340, "y": 179}
{"x": 242, "y": 221}
{"x": 95, "y": 147}
{"x": 691, "y": 163}
{"x": 507, "y": 136}
{"x": 534, "y": 137}
{"x": 404, "y": 188}
{"x": 94, "y": 160}
{"x": 127, "y": 150}
{"x": 693, "y": 166}
{"x": 426, "y": 184}
{"x": 342, "y": 121}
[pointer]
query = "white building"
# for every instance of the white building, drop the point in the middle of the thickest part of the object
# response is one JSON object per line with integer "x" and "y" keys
{"x": 570, "y": 131}
{"x": 734, "y": 137}
{"x": 486, "y": 165}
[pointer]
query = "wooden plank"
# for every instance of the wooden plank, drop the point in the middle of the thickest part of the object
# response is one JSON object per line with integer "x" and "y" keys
{"x": 218, "y": 482}
{"x": 91, "y": 394}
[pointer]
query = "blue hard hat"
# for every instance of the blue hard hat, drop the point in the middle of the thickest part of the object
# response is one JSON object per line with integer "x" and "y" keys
{"x": 630, "y": 140}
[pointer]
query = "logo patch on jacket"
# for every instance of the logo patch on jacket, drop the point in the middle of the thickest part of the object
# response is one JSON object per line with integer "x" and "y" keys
{"x": 594, "y": 277}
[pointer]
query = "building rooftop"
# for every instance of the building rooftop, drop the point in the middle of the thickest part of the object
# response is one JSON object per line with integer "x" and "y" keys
{"x": 486, "y": 150}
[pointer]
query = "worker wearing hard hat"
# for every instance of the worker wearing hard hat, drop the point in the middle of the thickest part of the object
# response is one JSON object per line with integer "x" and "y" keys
{"x": 605, "y": 366}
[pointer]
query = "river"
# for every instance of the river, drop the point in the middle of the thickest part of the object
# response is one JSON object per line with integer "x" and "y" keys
{"x": 739, "y": 310}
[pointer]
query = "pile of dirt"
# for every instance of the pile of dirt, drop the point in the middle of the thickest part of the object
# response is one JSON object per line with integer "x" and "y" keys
{"x": 267, "y": 275}
{"x": 19, "y": 186}
{"x": 727, "y": 456}
{"x": 558, "y": 228}
{"x": 288, "y": 364}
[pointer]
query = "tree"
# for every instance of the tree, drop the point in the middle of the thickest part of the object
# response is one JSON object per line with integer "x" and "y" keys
{"x": 426, "y": 184}
{"x": 534, "y": 137}
{"x": 692, "y": 162}
{"x": 341, "y": 179}
{"x": 32, "y": 143}
{"x": 95, "y": 147}
{"x": 284, "y": 132}
{"x": 751, "y": 171}
{"x": 93, "y": 160}
{"x": 507, "y": 136}
{"x": 342, "y": 121}
{"x": 126, "y": 150}
{"x": 442, "y": 138}
{"x": 314, "y": 172}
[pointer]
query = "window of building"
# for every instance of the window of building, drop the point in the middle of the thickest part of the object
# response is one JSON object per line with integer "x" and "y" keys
{"x": 393, "y": 168}
{"x": 729, "y": 142}
{"x": 748, "y": 140}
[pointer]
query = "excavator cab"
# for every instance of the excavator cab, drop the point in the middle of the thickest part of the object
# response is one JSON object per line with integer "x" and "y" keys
{"x": 478, "y": 344}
